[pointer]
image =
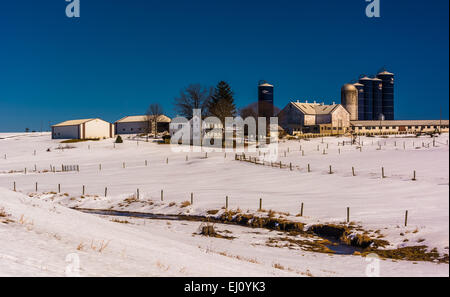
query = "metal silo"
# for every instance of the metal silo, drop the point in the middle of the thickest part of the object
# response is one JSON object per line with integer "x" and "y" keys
{"x": 349, "y": 99}
{"x": 265, "y": 100}
{"x": 387, "y": 80}
{"x": 368, "y": 97}
{"x": 360, "y": 88}
{"x": 377, "y": 98}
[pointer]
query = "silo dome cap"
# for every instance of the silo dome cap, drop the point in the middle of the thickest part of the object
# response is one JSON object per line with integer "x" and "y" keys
{"x": 384, "y": 72}
{"x": 365, "y": 78}
{"x": 265, "y": 85}
{"x": 348, "y": 87}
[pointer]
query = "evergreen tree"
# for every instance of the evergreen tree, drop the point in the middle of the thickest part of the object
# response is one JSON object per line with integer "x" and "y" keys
{"x": 221, "y": 104}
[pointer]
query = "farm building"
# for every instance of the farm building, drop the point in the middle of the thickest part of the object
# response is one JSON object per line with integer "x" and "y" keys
{"x": 83, "y": 129}
{"x": 141, "y": 124}
{"x": 399, "y": 127}
{"x": 314, "y": 117}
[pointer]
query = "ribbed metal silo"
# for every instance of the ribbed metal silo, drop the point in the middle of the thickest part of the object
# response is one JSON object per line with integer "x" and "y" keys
{"x": 387, "y": 80}
{"x": 349, "y": 99}
{"x": 368, "y": 97}
{"x": 265, "y": 100}
{"x": 360, "y": 88}
{"x": 377, "y": 98}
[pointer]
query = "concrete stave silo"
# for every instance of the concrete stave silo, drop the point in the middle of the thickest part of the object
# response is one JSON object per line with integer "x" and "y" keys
{"x": 360, "y": 88}
{"x": 387, "y": 79}
{"x": 377, "y": 101}
{"x": 368, "y": 97}
{"x": 349, "y": 99}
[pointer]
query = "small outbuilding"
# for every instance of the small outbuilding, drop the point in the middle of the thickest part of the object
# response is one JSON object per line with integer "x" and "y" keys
{"x": 141, "y": 124}
{"x": 83, "y": 129}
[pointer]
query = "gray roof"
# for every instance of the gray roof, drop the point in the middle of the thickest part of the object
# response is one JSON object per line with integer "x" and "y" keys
{"x": 315, "y": 108}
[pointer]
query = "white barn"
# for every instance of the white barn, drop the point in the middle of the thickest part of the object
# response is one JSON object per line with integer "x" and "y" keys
{"x": 308, "y": 117}
{"x": 83, "y": 129}
{"x": 140, "y": 124}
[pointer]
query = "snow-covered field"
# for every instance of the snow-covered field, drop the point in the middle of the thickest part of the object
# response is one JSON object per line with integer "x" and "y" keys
{"x": 43, "y": 231}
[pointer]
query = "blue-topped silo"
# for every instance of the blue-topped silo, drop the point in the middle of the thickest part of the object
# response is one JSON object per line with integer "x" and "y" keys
{"x": 360, "y": 88}
{"x": 368, "y": 97}
{"x": 387, "y": 80}
{"x": 377, "y": 103}
{"x": 265, "y": 100}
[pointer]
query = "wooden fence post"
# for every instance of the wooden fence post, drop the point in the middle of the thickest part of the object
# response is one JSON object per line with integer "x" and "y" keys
{"x": 137, "y": 193}
{"x": 162, "y": 195}
{"x": 330, "y": 172}
{"x": 414, "y": 175}
{"x": 226, "y": 202}
{"x": 348, "y": 214}
{"x": 353, "y": 171}
{"x": 36, "y": 188}
{"x": 309, "y": 168}
{"x": 14, "y": 186}
{"x": 83, "y": 191}
{"x": 406, "y": 218}
{"x": 59, "y": 188}
{"x": 106, "y": 191}
{"x": 301, "y": 210}
{"x": 192, "y": 198}
{"x": 382, "y": 172}
{"x": 260, "y": 204}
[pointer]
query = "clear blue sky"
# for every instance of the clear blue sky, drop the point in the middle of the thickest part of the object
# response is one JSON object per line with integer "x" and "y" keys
{"x": 122, "y": 55}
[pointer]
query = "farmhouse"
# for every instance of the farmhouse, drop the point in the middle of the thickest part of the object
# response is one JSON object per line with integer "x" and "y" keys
{"x": 141, "y": 124}
{"x": 306, "y": 117}
{"x": 82, "y": 129}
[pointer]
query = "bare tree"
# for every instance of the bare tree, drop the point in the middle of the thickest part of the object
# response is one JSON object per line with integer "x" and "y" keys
{"x": 250, "y": 110}
{"x": 192, "y": 97}
{"x": 153, "y": 113}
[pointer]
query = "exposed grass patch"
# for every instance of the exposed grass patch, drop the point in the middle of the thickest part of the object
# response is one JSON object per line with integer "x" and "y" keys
{"x": 79, "y": 140}
{"x": 185, "y": 204}
{"x": 318, "y": 246}
{"x": 411, "y": 253}
{"x": 120, "y": 221}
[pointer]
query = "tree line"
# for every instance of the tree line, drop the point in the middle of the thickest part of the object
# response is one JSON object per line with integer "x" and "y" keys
{"x": 215, "y": 101}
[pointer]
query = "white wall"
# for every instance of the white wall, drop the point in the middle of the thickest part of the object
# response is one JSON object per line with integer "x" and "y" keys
{"x": 98, "y": 129}
{"x": 131, "y": 127}
{"x": 65, "y": 132}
